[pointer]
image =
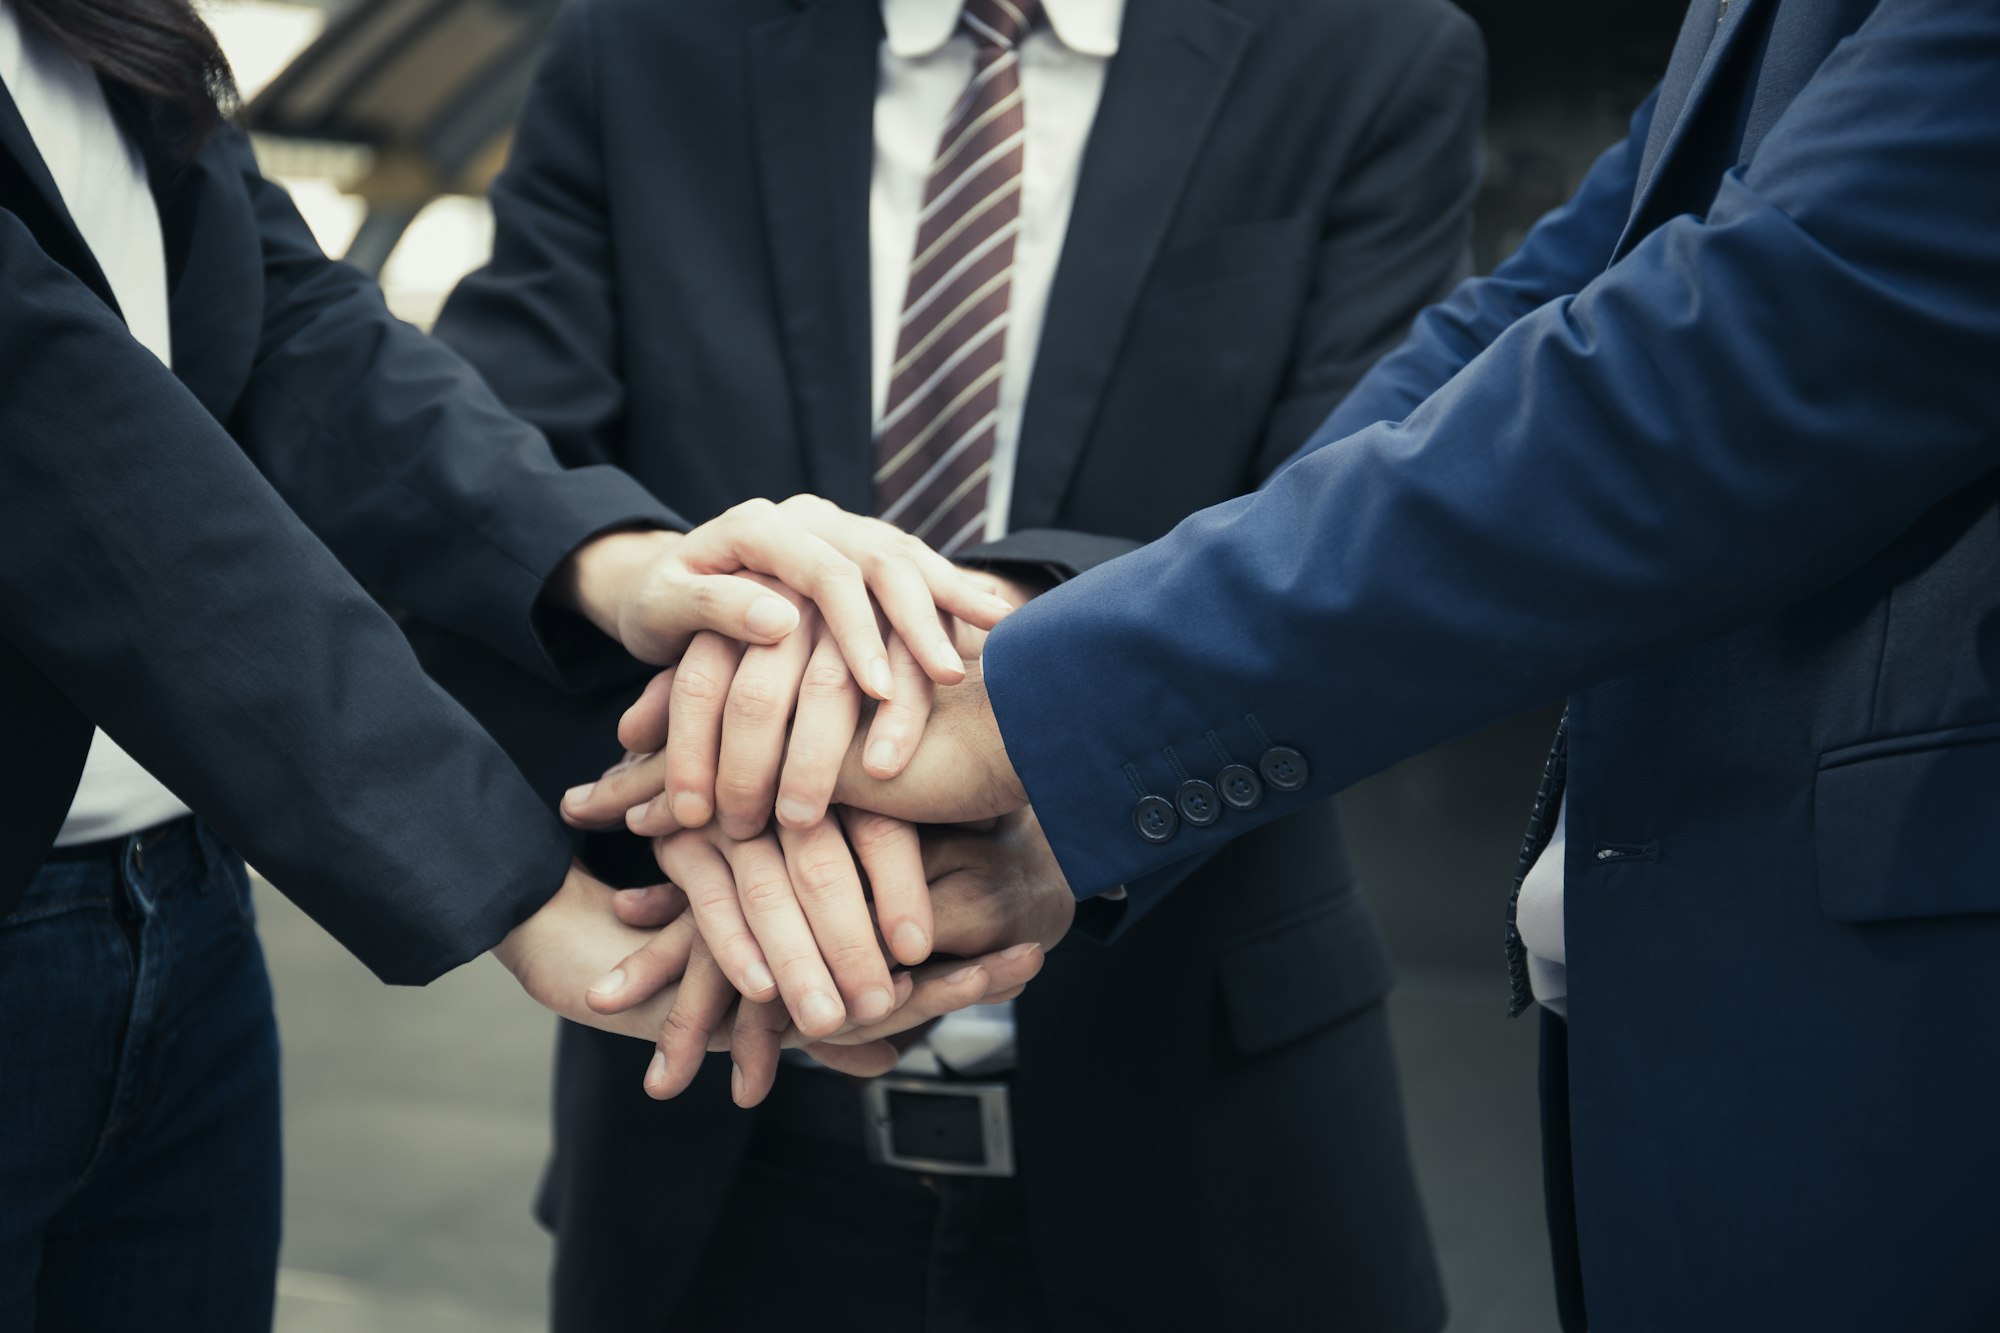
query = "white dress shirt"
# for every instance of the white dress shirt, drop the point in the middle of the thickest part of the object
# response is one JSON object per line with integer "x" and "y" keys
{"x": 927, "y": 60}
{"x": 102, "y": 179}
{"x": 1538, "y": 917}
{"x": 926, "y": 64}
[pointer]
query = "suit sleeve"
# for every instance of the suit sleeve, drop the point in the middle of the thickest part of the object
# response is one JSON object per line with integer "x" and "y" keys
{"x": 158, "y": 580}
{"x": 1561, "y": 255}
{"x": 1740, "y": 412}
{"x": 397, "y": 454}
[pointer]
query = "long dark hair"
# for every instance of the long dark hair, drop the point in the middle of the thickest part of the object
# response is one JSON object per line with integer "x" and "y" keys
{"x": 157, "y": 48}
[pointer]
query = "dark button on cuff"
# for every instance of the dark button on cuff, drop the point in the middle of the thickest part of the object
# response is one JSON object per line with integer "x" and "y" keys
{"x": 1283, "y": 767}
{"x": 1155, "y": 819}
{"x": 1240, "y": 786}
{"x": 1198, "y": 803}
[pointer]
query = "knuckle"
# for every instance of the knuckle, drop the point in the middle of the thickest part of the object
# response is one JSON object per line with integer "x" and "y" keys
{"x": 754, "y": 698}
{"x": 697, "y": 685}
{"x": 826, "y": 676}
{"x": 765, "y": 891}
{"x": 822, "y": 874}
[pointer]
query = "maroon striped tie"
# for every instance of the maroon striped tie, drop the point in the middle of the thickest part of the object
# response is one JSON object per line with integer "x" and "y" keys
{"x": 934, "y": 448}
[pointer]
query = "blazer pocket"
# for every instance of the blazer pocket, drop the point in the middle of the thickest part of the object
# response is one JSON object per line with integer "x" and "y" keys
{"x": 1232, "y": 252}
{"x": 1293, "y": 979}
{"x": 1907, "y": 828}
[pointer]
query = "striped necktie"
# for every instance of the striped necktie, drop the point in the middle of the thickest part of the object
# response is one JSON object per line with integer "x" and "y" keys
{"x": 934, "y": 448}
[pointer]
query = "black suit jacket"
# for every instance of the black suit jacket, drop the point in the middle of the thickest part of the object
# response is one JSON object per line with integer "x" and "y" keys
{"x": 680, "y": 285}
{"x": 171, "y": 550}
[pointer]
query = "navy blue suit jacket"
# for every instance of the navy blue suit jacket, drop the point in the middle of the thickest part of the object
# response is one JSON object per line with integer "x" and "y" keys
{"x": 1714, "y": 456}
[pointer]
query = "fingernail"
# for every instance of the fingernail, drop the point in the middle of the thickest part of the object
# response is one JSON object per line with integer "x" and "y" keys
{"x": 963, "y": 975}
{"x": 771, "y": 617}
{"x": 873, "y": 1004}
{"x": 656, "y": 1070}
{"x": 882, "y": 755}
{"x": 911, "y": 943}
{"x": 820, "y": 1010}
{"x": 634, "y": 895}
{"x": 578, "y": 795}
{"x": 758, "y": 978}
{"x": 610, "y": 983}
{"x": 689, "y": 810}
{"x": 1020, "y": 950}
{"x": 735, "y": 1083}
{"x": 636, "y": 816}
{"x": 879, "y": 678}
{"x": 794, "y": 813}
{"x": 1001, "y": 604}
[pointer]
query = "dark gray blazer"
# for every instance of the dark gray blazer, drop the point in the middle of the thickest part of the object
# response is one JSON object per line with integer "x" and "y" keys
{"x": 680, "y": 286}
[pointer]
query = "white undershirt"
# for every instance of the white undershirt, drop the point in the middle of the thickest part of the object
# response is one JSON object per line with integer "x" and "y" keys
{"x": 927, "y": 61}
{"x": 102, "y": 179}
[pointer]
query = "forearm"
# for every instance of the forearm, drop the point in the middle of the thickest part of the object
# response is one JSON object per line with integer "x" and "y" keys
{"x": 1739, "y": 413}
{"x": 157, "y": 580}
{"x": 396, "y": 453}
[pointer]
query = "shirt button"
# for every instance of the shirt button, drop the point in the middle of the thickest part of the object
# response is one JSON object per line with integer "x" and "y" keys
{"x": 1283, "y": 767}
{"x": 1240, "y": 786}
{"x": 1198, "y": 803}
{"x": 1155, "y": 819}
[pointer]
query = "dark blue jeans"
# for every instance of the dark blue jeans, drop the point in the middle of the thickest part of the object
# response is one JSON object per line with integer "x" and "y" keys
{"x": 139, "y": 1164}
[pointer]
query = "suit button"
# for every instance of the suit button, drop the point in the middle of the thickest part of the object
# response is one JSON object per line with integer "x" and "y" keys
{"x": 1283, "y": 767}
{"x": 1240, "y": 786}
{"x": 1155, "y": 819}
{"x": 1198, "y": 803}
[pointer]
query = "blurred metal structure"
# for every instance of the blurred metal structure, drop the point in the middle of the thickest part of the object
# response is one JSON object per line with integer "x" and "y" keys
{"x": 429, "y": 86}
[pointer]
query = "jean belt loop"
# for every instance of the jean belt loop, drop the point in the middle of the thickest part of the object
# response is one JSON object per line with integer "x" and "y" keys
{"x": 133, "y": 874}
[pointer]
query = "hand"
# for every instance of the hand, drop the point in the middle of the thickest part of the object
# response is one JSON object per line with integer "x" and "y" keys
{"x": 652, "y": 591}
{"x": 698, "y": 1013}
{"x": 992, "y": 890}
{"x": 958, "y": 774}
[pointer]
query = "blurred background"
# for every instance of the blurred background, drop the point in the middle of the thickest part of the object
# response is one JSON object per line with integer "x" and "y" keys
{"x": 413, "y": 1152}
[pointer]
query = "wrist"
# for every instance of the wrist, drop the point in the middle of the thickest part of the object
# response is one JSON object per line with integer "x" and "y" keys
{"x": 602, "y": 577}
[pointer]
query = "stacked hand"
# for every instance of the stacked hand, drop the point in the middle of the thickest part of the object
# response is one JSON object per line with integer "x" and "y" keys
{"x": 817, "y": 656}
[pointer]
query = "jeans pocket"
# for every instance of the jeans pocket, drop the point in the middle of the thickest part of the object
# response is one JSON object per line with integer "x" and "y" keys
{"x": 227, "y": 875}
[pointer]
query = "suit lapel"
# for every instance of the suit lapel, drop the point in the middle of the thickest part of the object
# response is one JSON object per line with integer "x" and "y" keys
{"x": 813, "y": 79}
{"x": 1174, "y": 63}
{"x": 41, "y": 204}
{"x": 1691, "y": 78}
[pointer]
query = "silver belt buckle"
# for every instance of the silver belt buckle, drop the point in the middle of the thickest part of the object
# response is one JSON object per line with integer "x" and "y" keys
{"x": 996, "y": 1125}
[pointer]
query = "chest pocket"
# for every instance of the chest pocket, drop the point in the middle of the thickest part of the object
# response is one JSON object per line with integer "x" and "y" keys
{"x": 1907, "y": 828}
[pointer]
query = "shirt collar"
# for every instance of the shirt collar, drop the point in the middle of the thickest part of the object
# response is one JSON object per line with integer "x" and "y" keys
{"x": 918, "y": 28}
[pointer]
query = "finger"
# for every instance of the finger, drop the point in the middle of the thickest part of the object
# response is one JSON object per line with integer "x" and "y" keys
{"x": 905, "y": 599}
{"x": 810, "y": 565}
{"x": 700, "y": 1008}
{"x": 753, "y": 1051}
{"x": 648, "y": 970}
{"x": 893, "y": 857}
{"x": 771, "y": 906}
{"x": 946, "y": 987}
{"x": 755, "y": 718}
{"x": 868, "y": 1060}
{"x": 829, "y": 709}
{"x": 685, "y": 603}
{"x": 899, "y": 724}
{"x": 828, "y": 887}
{"x": 705, "y": 876}
{"x": 649, "y": 908}
{"x": 694, "y": 727}
{"x": 642, "y": 728}
{"x": 961, "y": 592}
{"x": 633, "y": 780}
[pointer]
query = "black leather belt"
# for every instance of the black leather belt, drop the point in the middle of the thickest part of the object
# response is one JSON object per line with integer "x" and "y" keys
{"x": 946, "y": 1127}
